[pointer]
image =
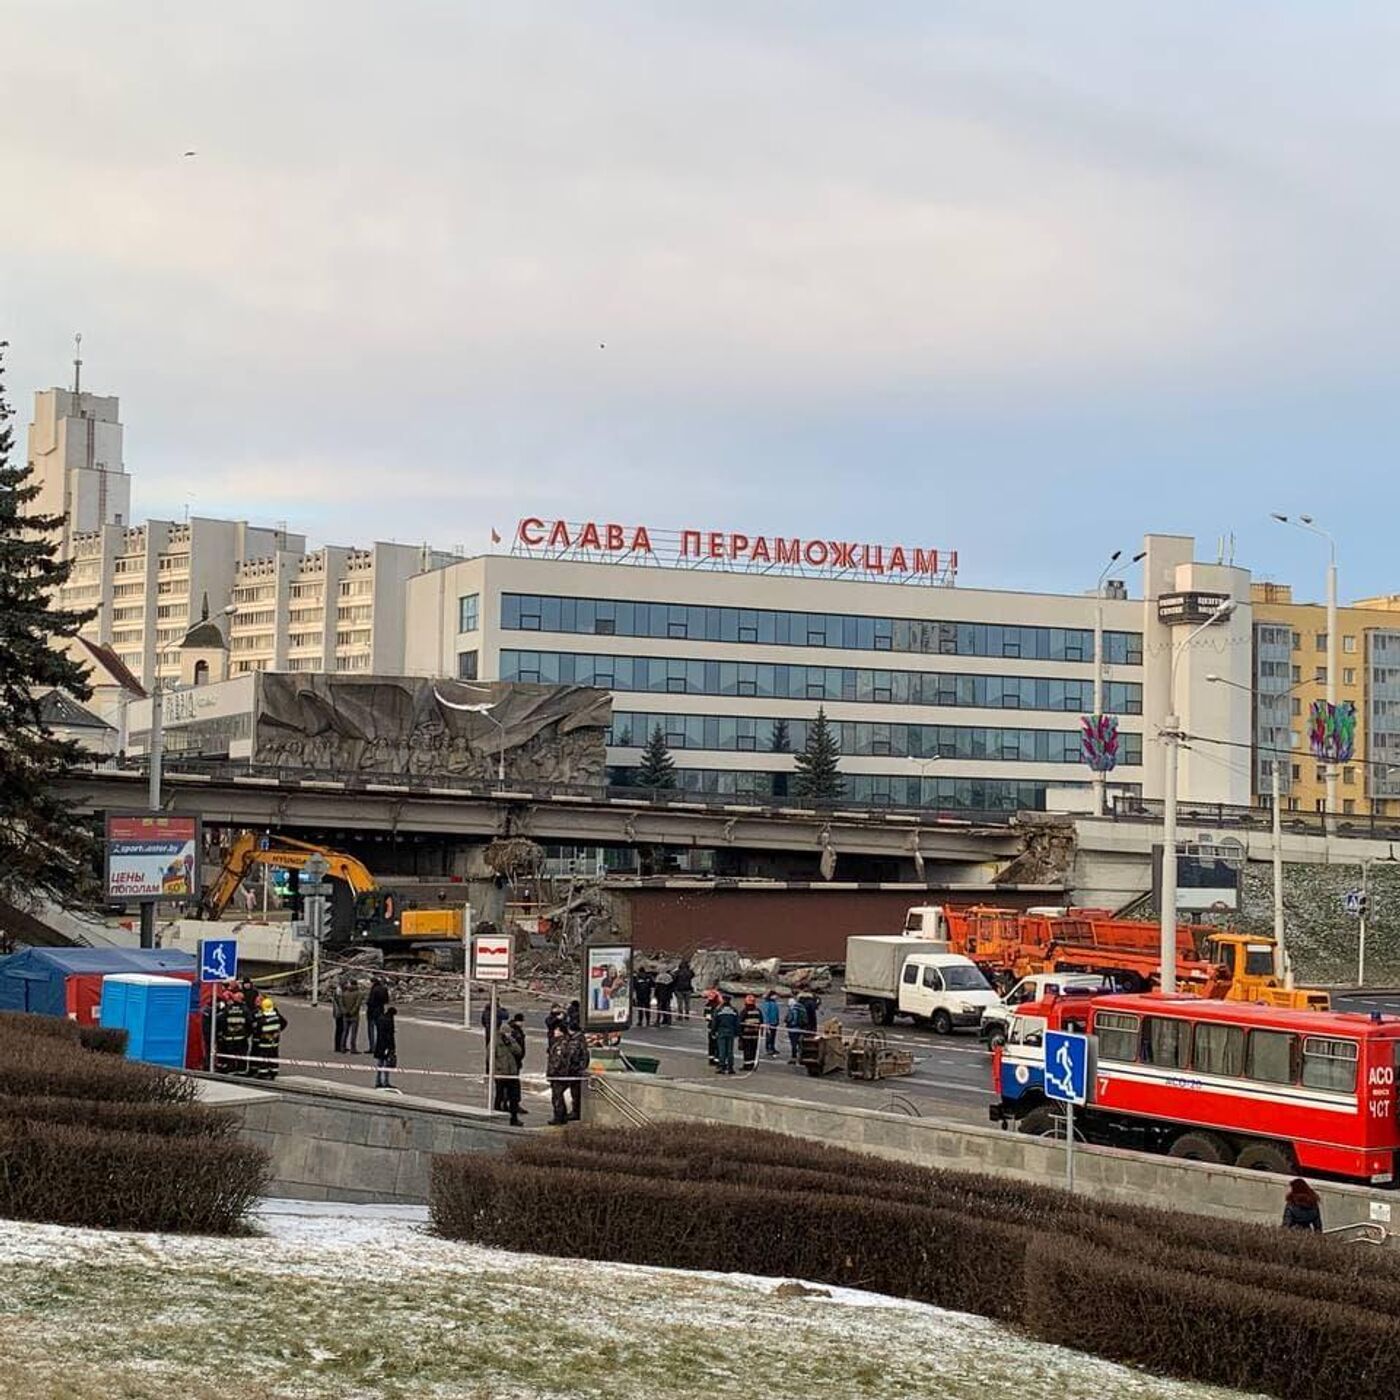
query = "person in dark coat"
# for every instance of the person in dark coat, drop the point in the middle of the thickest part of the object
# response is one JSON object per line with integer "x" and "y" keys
{"x": 573, "y": 1017}
{"x": 662, "y": 986}
{"x": 375, "y": 1004}
{"x": 642, "y": 983}
{"x": 725, "y": 1024}
{"x": 683, "y": 987}
{"x": 268, "y": 1023}
{"x": 1302, "y": 1210}
{"x": 386, "y": 1048}
{"x": 508, "y": 1074}
{"x": 712, "y": 1001}
{"x": 553, "y": 1025}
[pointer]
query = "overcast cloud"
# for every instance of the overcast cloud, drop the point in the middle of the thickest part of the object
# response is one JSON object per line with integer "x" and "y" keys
{"x": 1023, "y": 280}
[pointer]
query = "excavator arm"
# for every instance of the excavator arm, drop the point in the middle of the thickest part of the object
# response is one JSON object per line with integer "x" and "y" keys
{"x": 285, "y": 853}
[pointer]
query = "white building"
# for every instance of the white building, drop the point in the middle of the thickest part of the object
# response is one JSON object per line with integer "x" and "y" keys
{"x": 956, "y": 698}
{"x": 330, "y": 609}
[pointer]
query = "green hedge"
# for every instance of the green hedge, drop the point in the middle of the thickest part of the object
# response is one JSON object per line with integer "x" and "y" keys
{"x": 159, "y": 1119}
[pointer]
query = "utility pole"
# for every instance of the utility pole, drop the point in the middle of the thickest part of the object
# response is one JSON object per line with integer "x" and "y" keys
{"x": 153, "y": 800}
{"x": 1283, "y": 966}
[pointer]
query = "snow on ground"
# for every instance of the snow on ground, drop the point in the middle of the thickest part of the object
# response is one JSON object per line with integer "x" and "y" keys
{"x": 347, "y": 1301}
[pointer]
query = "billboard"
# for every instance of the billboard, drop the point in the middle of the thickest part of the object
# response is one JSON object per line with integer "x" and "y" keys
{"x": 1207, "y": 875}
{"x": 607, "y": 987}
{"x": 152, "y": 857}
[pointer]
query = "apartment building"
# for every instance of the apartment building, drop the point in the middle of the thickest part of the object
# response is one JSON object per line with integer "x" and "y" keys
{"x": 1290, "y": 672}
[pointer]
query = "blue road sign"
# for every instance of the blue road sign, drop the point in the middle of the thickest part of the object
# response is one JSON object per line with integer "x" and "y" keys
{"x": 1354, "y": 901}
{"x": 218, "y": 959}
{"x": 1067, "y": 1066}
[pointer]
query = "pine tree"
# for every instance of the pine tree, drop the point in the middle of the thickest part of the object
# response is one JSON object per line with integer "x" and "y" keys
{"x": 778, "y": 740}
{"x": 46, "y": 848}
{"x": 658, "y": 768}
{"x": 817, "y": 778}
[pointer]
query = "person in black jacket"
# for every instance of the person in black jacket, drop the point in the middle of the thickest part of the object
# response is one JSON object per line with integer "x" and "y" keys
{"x": 1301, "y": 1208}
{"x": 386, "y": 1048}
{"x": 683, "y": 987}
{"x": 553, "y": 1025}
{"x": 642, "y": 983}
{"x": 376, "y": 1003}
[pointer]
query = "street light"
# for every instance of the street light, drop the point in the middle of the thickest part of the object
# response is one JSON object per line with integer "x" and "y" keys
{"x": 483, "y": 709}
{"x": 1108, "y": 569}
{"x": 1171, "y": 732}
{"x": 1306, "y": 522}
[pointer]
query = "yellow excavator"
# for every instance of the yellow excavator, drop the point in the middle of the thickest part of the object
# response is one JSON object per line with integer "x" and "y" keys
{"x": 383, "y": 918}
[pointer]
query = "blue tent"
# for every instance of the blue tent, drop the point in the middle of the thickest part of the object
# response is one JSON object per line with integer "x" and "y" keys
{"x": 35, "y": 979}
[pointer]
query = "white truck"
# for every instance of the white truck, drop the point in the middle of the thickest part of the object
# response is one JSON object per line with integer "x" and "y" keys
{"x": 898, "y": 975}
{"x": 996, "y": 1018}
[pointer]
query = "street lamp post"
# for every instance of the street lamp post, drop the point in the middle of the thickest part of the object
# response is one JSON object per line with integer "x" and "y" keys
{"x": 1330, "y": 774}
{"x": 1171, "y": 733}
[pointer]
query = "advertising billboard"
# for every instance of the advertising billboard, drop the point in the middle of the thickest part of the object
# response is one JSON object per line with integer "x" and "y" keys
{"x": 152, "y": 857}
{"x": 607, "y": 987}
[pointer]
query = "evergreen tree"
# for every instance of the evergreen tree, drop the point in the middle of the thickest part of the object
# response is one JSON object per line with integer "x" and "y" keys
{"x": 46, "y": 848}
{"x": 778, "y": 741}
{"x": 658, "y": 768}
{"x": 817, "y": 778}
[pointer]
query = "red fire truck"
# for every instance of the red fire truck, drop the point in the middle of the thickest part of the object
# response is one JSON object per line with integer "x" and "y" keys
{"x": 1255, "y": 1086}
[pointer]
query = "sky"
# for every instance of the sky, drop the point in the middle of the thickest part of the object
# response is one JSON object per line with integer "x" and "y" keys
{"x": 1027, "y": 281}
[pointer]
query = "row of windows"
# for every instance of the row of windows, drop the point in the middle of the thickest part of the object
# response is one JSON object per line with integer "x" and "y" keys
{"x": 1272, "y": 1057}
{"x": 865, "y": 789}
{"x": 773, "y": 680}
{"x": 861, "y": 738}
{"x": 765, "y": 626}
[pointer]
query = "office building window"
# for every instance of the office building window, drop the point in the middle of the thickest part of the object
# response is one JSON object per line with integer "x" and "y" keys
{"x": 1321, "y": 642}
{"x": 777, "y": 680}
{"x": 467, "y": 665}
{"x": 1348, "y": 675}
{"x": 469, "y": 612}
{"x": 828, "y": 631}
{"x": 1349, "y": 645}
{"x": 1320, "y": 675}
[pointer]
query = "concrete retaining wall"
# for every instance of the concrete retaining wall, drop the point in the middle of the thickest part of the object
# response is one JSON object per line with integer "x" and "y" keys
{"x": 1102, "y": 1172}
{"x": 329, "y": 1146}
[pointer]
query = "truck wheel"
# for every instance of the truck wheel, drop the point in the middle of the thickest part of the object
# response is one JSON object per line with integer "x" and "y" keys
{"x": 1266, "y": 1157}
{"x": 1042, "y": 1122}
{"x": 1201, "y": 1147}
{"x": 882, "y": 1012}
{"x": 942, "y": 1023}
{"x": 996, "y": 1037}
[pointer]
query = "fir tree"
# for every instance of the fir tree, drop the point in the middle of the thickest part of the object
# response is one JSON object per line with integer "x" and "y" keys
{"x": 817, "y": 778}
{"x": 658, "y": 768}
{"x": 46, "y": 848}
{"x": 778, "y": 740}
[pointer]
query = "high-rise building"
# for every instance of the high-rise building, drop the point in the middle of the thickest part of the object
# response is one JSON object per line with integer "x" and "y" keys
{"x": 75, "y": 449}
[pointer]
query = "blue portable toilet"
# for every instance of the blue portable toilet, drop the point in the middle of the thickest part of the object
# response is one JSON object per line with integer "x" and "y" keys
{"x": 153, "y": 1011}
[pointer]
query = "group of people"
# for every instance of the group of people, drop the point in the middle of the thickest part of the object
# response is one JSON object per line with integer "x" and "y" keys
{"x": 662, "y": 988}
{"x": 347, "y": 1000}
{"x": 247, "y": 1031}
{"x": 566, "y": 1060}
{"x": 757, "y": 1019}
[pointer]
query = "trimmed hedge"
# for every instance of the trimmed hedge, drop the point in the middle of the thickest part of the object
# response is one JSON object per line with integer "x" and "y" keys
{"x": 1249, "y": 1306}
{"x": 158, "y": 1119}
{"x": 69, "y": 1175}
{"x": 1205, "y": 1329}
{"x": 90, "y": 1138}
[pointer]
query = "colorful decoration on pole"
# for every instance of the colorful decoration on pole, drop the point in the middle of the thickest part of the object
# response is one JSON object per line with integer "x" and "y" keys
{"x": 1099, "y": 742}
{"x": 1332, "y": 731}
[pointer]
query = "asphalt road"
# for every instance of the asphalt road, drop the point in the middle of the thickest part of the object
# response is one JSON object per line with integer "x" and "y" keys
{"x": 439, "y": 1059}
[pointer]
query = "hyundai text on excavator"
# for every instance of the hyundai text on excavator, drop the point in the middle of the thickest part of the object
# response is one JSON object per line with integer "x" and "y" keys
{"x": 393, "y": 921}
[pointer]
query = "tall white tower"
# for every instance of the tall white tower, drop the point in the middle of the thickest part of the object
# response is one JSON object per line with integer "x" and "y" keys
{"x": 75, "y": 448}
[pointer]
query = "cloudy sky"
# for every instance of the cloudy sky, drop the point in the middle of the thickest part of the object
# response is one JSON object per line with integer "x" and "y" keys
{"x": 1024, "y": 280}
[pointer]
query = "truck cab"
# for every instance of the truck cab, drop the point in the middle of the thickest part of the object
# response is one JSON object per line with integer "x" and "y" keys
{"x": 996, "y": 1019}
{"x": 927, "y": 921}
{"x": 945, "y": 990}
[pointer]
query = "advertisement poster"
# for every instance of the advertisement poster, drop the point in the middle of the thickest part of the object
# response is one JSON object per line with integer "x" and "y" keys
{"x": 607, "y": 987}
{"x": 152, "y": 857}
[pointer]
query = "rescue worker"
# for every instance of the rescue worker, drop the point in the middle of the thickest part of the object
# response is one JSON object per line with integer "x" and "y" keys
{"x": 642, "y": 983}
{"x": 508, "y": 1074}
{"x": 268, "y": 1025}
{"x": 724, "y": 1025}
{"x": 574, "y": 1065}
{"x": 770, "y": 1011}
{"x": 231, "y": 1035}
{"x": 750, "y": 1027}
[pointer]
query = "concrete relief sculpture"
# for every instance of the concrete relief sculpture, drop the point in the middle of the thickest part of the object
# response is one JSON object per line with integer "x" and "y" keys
{"x": 406, "y": 725}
